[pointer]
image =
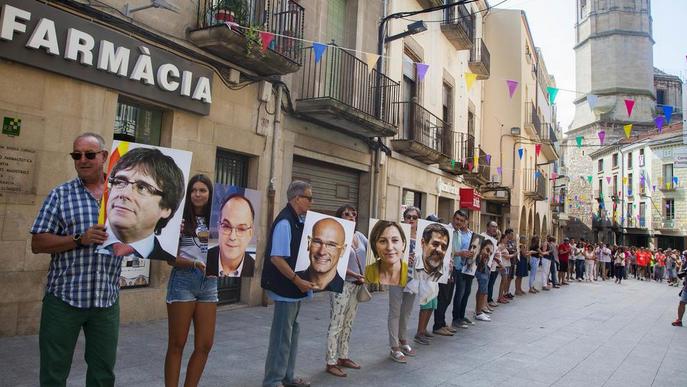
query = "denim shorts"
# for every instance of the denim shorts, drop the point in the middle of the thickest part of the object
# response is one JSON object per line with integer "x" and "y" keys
{"x": 482, "y": 282}
{"x": 191, "y": 285}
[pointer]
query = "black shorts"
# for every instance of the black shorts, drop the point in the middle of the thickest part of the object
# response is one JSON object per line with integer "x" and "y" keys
{"x": 563, "y": 266}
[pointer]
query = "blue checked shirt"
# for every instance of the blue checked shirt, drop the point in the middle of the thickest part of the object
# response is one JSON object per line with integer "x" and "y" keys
{"x": 80, "y": 277}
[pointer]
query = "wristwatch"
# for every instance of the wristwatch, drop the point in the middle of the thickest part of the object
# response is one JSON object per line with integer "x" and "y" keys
{"x": 77, "y": 240}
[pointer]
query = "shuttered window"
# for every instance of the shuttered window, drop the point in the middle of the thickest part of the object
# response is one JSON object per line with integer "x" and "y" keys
{"x": 332, "y": 186}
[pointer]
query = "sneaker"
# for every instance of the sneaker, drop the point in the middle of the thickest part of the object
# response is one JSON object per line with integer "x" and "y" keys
{"x": 451, "y": 329}
{"x": 482, "y": 317}
{"x": 421, "y": 340}
{"x": 677, "y": 323}
{"x": 444, "y": 331}
{"x": 459, "y": 324}
{"x": 468, "y": 321}
{"x": 493, "y": 304}
{"x": 508, "y": 295}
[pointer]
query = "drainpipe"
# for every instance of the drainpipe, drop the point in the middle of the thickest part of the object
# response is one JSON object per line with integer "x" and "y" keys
{"x": 271, "y": 188}
{"x": 376, "y": 156}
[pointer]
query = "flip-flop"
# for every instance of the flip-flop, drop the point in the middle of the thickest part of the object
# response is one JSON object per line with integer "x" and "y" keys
{"x": 335, "y": 370}
{"x": 348, "y": 363}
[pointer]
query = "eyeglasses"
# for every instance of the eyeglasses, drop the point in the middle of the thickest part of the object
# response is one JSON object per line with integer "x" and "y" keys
{"x": 308, "y": 198}
{"x": 89, "y": 155}
{"x": 411, "y": 217}
{"x": 319, "y": 243}
{"x": 241, "y": 230}
{"x": 140, "y": 187}
{"x": 350, "y": 213}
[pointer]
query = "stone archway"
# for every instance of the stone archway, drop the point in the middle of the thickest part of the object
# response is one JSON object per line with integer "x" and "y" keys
{"x": 537, "y": 225}
{"x": 530, "y": 225}
{"x": 544, "y": 227}
{"x": 523, "y": 223}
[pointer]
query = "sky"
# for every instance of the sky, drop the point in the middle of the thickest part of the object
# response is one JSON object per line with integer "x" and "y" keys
{"x": 552, "y": 23}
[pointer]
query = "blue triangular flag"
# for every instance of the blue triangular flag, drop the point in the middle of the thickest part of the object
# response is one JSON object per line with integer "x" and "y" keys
{"x": 520, "y": 151}
{"x": 668, "y": 112}
{"x": 318, "y": 48}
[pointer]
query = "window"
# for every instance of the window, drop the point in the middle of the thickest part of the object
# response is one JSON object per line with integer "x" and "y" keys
{"x": 642, "y": 214}
{"x": 660, "y": 97}
{"x": 629, "y": 160}
{"x": 135, "y": 122}
{"x": 629, "y": 184}
{"x": 628, "y": 216}
{"x": 641, "y": 157}
{"x": 615, "y": 185}
{"x": 615, "y": 160}
{"x": 601, "y": 165}
{"x": 411, "y": 198}
{"x": 667, "y": 176}
{"x": 601, "y": 188}
{"x": 447, "y": 103}
{"x": 669, "y": 209}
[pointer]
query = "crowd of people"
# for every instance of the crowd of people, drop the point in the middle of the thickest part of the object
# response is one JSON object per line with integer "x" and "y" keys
{"x": 82, "y": 290}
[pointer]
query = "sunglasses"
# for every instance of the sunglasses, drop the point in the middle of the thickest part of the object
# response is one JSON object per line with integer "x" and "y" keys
{"x": 411, "y": 217}
{"x": 89, "y": 155}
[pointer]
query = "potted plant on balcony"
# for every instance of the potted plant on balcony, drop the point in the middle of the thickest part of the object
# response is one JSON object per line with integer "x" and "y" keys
{"x": 231, "y": 11}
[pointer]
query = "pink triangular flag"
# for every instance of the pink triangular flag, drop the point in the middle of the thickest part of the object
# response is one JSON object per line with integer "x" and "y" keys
{"x": 266, "y": 38}
{"x": 629, "y": 104}
{"x": 602, "y": 136}
{"x": 537, "y": 149}
{"x": 512, "y": 85}
{"x": 608, "y": 179}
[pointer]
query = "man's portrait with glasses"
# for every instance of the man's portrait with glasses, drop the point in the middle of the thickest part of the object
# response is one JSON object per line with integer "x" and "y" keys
{"x": 232, "y": 232}
{"x": 144, "y": 190}
{"x": 324, "y": 251}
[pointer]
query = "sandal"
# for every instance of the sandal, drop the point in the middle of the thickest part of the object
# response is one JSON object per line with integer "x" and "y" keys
{"x": 677, "y": 323}
{"x": 407, "y": 350}
{"x": 397, "y": 356}
{"x": 335, "y": 370}
{"x": 348, "y": 363}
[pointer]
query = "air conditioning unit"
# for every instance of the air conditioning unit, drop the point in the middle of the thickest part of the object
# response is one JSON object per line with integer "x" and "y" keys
{"x": 495, "y": 179}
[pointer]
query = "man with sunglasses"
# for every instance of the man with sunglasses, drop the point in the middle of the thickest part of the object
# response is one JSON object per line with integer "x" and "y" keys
{"x": 325, "y": 248}
{"x": 145, "y": 190}
{"x": 235, "y": 231}
{"x": 82, "y": 289}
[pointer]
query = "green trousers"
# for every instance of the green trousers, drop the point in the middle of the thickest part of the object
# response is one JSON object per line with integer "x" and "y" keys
{"x": 60, "y": 327}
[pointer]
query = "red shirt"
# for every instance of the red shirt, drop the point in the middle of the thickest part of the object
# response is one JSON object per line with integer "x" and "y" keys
{"x": 564, "y": 252}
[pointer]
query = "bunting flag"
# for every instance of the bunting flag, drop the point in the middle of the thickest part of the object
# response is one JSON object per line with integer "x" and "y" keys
{"x": 520, "y": 152}
{"x": 371, "y": 60}
{"x": 608, "y": 179}
{"x": 624, "y": 180}
{"x": 579, "y": 141}
{"x": 668, "y": 112}
{"x": 628, "y": 130}
{"x": 537, "y": 149}
{"x": 421, "y": 69}
{"x": 470, "y": 79}
{"x": 536, "y": 173}
{"x": 589, "y": 179}
{"x": 499, "y": 170}
{"x": 122, "y": 148}
{"x": 602, "y": 136}
{"x": 231, "y": 24}
{"x": 469, "y": 165}
{"x": 453, "y": 164}
{"x": 653, "y": 188}
{"x": 266, "y": 38}
{"x": 318, "y": 49}
{"x": 675, "y": 180}
{"x": 512, "y": 85}
{"x": 629, "y": 104}
{"x": 592, "y": 100}
{"x": 659, "y": 123}
{"x": 554, "y": 175}
{"x": 553, "y": 92}
{"x": 488, "y": 158}
{"x": 476, "y": 161}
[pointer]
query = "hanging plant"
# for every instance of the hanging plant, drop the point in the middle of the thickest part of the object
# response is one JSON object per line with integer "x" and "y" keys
{"x": 253, "y": 42}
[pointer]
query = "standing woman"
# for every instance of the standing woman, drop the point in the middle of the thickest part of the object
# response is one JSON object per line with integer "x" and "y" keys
{"x": 535, "y": 258}
{"x": 589, "y": 256}
{"x": 191, "y": 296}
{"x": 345, "y": 304}
{"x": 619, "y": 265}
{"x": 522, "y": 265}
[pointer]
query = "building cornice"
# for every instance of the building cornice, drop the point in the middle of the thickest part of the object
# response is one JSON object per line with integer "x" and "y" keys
{"x": 606, "y": 34}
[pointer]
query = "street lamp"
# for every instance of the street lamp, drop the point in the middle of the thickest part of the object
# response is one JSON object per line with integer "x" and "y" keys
{"x": 412, "y": 29}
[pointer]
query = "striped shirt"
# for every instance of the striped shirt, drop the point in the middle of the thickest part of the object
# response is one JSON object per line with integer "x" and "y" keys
{"x": 80, "y": 277}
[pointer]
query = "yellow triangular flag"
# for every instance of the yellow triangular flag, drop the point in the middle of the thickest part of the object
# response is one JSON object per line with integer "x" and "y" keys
{"x": 470, "y": 79}
{"x": 476, "y": 159}
{"x": 624, "y": 179}
{"x": 628, "y": 130}
{"x": 371, "y": 60}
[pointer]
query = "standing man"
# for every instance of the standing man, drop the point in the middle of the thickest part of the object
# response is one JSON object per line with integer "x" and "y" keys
{"x": 286, "y": 288}
{"x": 497, "y": 265}
{"x": 564, "y": 251}
{"x": 82, "y": 290}
{"x": 464, "y": 281}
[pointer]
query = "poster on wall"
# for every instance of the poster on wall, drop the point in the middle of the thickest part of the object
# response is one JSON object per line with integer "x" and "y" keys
{"x": 388, "y": 252}
{"x": 141, "y": 206}
{"x": 433, "y": 257}
{"x": 324, "y": 251}
{"x": 233, "y": 236}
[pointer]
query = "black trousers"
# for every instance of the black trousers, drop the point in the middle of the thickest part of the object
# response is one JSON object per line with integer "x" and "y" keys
{"x": 443, "y": 301}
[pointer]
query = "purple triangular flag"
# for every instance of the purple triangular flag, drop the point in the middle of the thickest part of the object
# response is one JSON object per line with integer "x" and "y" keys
{"x": 499, "y": 170}
{"x": 602, "y": 136}
{"x": 668, "y": 112}
{"x": 421, "y": 69}
{"x": 608, "y": 179}
{"x": 318, "y": 49}
{"x": 659, "y": 123}
{"x": 512, "y": 85}
{"x": 488, "y": 158}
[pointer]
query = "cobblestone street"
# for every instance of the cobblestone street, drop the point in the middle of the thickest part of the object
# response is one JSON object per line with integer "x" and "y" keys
{"x": 598, "y": 334}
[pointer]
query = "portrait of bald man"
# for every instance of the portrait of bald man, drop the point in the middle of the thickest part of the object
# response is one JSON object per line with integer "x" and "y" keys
{"x": 326, "y": 246}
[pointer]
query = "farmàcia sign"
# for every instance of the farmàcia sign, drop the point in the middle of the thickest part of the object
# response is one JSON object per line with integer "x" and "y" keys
{"x": 42, "y": 36}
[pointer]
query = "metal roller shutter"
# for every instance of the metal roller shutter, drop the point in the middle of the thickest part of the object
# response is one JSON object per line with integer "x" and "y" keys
{"x": 332, "y": 186}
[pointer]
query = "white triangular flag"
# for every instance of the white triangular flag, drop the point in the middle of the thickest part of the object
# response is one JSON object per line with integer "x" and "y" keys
{"x": 371, "y": 60}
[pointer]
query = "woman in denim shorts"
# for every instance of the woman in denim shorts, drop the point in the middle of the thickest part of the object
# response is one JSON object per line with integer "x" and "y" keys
{"x": 191, "y": 296}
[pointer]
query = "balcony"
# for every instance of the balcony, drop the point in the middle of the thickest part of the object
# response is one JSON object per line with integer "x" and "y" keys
{"x": 230, "y": 30}
{"x": 423, "y": 136}
{"x": 479, "y": 59}
{"x": 548, "y": 142}
{"x": 459, "y": 27}
{"x": 463, "y": 146}
{"x": 532, "y": 120}
{"x": 534, "y": 187}
{"x": 339, "y": 91}
{"x": 668, "y": 185}
{"x": 480, "y": 174}
{"x": 668, "y": 224}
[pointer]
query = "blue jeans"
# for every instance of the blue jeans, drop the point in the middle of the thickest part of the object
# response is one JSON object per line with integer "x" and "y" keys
{"x": 281, "y": 354}
{"x": 579, "y": 269}
{"x": 554, "y": 274}
{"x": 534, "y": 266}
{"x": 460, "y": 298}
{"x": 492, "y": 280}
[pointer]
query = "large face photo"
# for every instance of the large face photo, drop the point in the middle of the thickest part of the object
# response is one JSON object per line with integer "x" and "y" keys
{"x": 470, "y": 264}
{"x": 324, "y": 251}
{"x": 145, "y": 188}
{"x": 232, "y": 232}
{"x": 388, "y": 252}
{"x": 435, "y": 242}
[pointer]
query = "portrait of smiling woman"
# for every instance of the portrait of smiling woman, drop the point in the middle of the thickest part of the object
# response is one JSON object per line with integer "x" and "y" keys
{"x": 388, "y": 244}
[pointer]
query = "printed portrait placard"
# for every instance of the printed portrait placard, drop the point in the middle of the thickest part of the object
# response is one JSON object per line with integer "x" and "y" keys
{"x": 142, "y": 206}
{"x": 429, "y": 260}
{"x": 388, "y": 251}
{"x": 324, "y": 251}
{"x": 233, "y": 231}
